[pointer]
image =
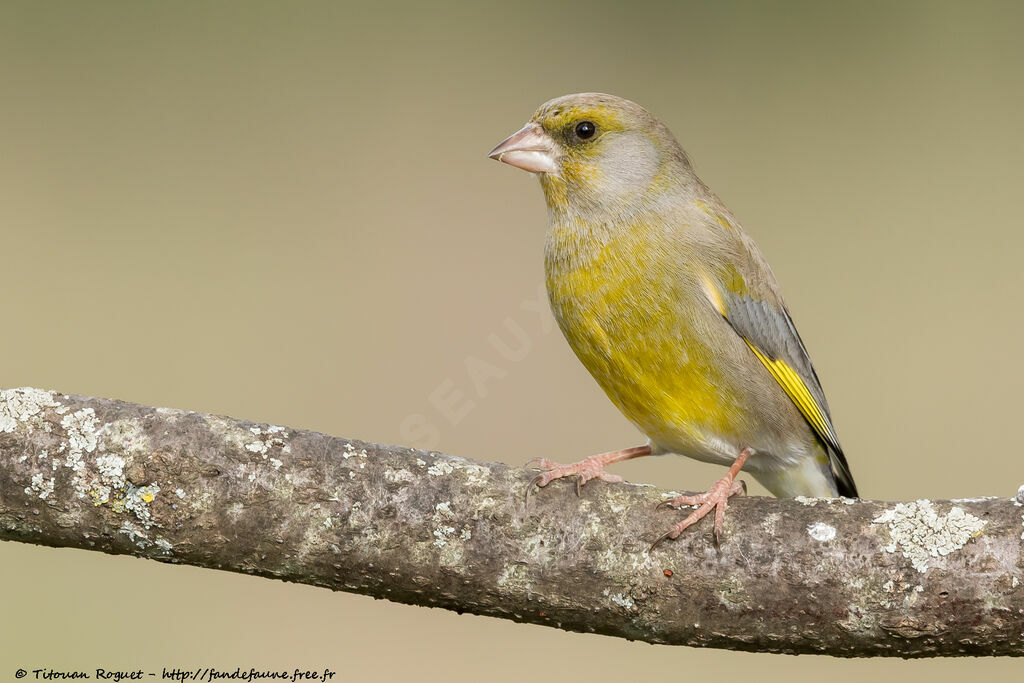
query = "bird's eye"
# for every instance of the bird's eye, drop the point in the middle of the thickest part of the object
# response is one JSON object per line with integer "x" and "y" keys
{"x": 585, "y": 130}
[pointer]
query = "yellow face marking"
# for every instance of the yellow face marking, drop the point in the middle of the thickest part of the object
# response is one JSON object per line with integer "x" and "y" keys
{"x": 556, "y": 194}
{"x": 578, "y": 166}
{"x": 580, "y": 172}
{"x": 563, "y": 118}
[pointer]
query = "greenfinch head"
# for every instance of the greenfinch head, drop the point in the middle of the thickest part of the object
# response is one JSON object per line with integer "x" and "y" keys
{"x": 595, "y": 150}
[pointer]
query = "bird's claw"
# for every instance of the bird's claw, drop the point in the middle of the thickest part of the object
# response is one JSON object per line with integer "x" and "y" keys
{"x": 584, "y": 471}
{"x": 716, "y": 498}
{"x": 533, "y": 483}
{"x": 660, "y": 539}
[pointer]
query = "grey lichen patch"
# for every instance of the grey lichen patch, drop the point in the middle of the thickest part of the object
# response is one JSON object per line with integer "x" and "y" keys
{"x": 441, "y": 534}
{"x": 811, "y": 502}
{"x": 172, "y": 414}
{"x": 40, "y": 486}
{"x": 261, "y": 440}
{"x": 117, "y": 443}
{"x": 923, "y": 535}
{"x": 893, "y": 588}
{"x": 24, "y": 406}
{"x": 136, "y": 500}
{"x": 398, "y": 476}
{"x": 770, "y": 523}
{"x": 821, "y": 532}
{"x": 449, "y": 539}
{"x": 356, "y": 459}
{"x": 440, "y": 469}
{"x": 267, "y": 439}
{"x": 442, "y": 531}
{"x": 620, "y": 599}
{"x": 80, "y": 435}
{"x": 476, "y": 476}
{"x": 81, "y": 432}
{"x": 111, "y": 468}
{"x": 135, "y": 534}
{"x": 353, "y": 452}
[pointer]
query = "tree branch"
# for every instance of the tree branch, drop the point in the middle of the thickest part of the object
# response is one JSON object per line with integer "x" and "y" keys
{"x": 839, "y": 577}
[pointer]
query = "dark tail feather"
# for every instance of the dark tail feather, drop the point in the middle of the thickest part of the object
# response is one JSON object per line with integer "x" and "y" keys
{"x": 842, "y": 475}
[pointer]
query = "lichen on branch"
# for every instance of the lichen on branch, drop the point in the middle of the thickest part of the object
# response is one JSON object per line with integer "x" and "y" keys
{"x": 831, "y": 576}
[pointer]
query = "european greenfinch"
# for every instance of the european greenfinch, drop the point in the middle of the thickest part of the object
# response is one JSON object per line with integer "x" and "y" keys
{"x": 672, "y": 308}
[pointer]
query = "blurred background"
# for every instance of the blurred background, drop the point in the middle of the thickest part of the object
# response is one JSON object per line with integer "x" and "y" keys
{"x": 283, "y": 212}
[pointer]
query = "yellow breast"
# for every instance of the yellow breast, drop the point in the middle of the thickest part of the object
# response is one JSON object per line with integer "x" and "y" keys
{"x": 631, "y": 318}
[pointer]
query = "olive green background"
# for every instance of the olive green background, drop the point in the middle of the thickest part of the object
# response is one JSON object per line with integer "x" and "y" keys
{"x": 284, "y": 212}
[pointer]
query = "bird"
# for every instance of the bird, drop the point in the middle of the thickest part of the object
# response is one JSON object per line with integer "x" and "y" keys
{"x": 673, "y": 310}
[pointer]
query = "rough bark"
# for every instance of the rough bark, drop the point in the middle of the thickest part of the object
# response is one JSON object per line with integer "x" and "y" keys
{"x": 839, "y": 577}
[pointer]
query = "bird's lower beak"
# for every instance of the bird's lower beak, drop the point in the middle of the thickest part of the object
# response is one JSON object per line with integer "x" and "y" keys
{"x": 530, "y": 149}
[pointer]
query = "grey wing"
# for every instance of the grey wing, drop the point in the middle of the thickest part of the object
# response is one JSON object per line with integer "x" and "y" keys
{"x": 771, "y": 335}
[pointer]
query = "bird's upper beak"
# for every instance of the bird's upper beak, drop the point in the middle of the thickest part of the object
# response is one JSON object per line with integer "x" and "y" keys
{"x": 530, "y": 149}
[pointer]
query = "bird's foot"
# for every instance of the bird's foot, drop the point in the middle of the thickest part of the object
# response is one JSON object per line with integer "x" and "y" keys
{"x": 586, "y": 469}
{"x": 716, "y": 498}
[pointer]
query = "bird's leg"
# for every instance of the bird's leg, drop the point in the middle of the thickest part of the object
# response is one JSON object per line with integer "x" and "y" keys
{"x": 716, "y": 498}
{"x": 586, "y": 469}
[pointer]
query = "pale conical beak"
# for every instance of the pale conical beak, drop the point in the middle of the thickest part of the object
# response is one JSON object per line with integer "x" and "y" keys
{"x": 530, "y": 149}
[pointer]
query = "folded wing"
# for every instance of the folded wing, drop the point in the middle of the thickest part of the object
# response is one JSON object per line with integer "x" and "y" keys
{"x": 768, "y": 330}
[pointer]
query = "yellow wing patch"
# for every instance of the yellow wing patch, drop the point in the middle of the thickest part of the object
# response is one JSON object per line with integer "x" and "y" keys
{"x": 798, "y": 392}
{"x": 714, "y": 296}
